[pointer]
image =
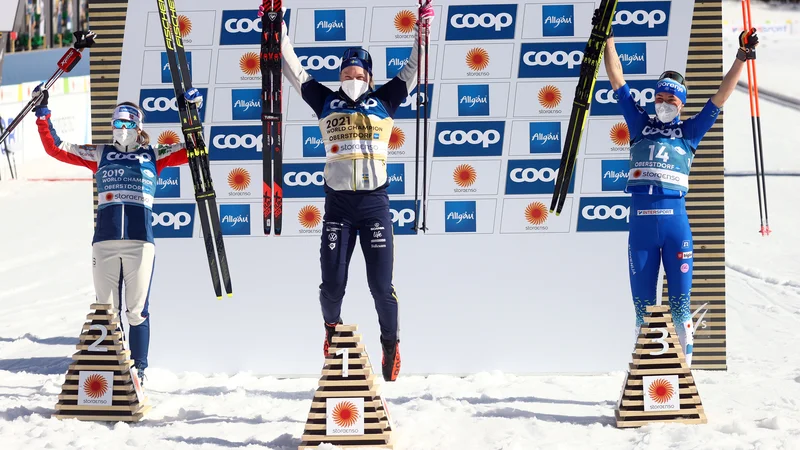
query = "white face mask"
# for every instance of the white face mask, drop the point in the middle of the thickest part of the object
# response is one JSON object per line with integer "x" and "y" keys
{"x": 354, "y": 88}
{"x": 666, "y": 112}
{"x": 125, "y": 137}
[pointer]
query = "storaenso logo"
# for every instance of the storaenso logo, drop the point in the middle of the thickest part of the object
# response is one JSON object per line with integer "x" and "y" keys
{"x": 141, "y": 157}
{"x": 173, "y": 220}
{"x": 604, "y": 99}
{"x": 469, "y": 138}
{"x": 162, "y": 107}
{"x": 641, "y": 19}
{"x": 604, "y": 214}
{"x": 549, "y": 60}
{"x": 533, "y": 176}
{"x": 321, "y": 62}
{"x": 232, "y": 143}
{"x": 303, "y": 180}
{"x": 481, "y": 22}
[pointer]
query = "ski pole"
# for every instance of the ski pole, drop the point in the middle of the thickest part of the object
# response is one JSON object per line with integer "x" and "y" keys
{"x": 426, "y": 99}
{"x": 755, "y": 122}
{"x": 83, "y": 39}
{"x": 419, "y": 105}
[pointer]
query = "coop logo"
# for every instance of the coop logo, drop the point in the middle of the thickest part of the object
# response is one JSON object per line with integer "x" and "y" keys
{"x": 169, "y": 183}
{"x": 460, "y": 216}
{"x": 604, "y": 213}
{"x": 477, "y": 60}
{"x": 173, "y": 220}
{"x": 480, "y": 22}
{"x": 469, "y": 139}
{"x": 330, "y": 25}
{"x": 403, "y": 216}
{"x": 604, "y": 99}
{"x": 246, "y": 104}
{"x": 615, "y": 174}
{"x": 235, "y": 143}
{"x": 408, "y": 109}
{"x": 160, "y": 105}
{"x": 141, "y": 157}
{"x": 396, "y": 59}
{"x": 473, "y": 99}
{"x": 633, "y": 56}
{"x": 234, "y": 219}
{"x": 321, "y": 62}
{"x": 404, "y": 22}
{"x": 303, "y": 180}
{"x": 620, "y": 135}
{"x": 641, "y": 19}
{"x": 551, "y": 60}
{"x": 396, "y": 175}
{"x": 166, "y": 75}
{"x": 533, "y": 176}
{"x": 558, "y": 20}
{"x": 545, "y": 137}
{"x": 313, "y": 147}
{"x": 240, "y": 27}
{"x": 672, "y": 133}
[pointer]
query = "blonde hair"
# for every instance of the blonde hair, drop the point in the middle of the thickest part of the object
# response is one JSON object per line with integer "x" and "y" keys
{"x": 144, "y": 138}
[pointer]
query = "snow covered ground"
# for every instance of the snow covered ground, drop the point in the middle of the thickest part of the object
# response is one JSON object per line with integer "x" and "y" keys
{"x": 754, "y": 405}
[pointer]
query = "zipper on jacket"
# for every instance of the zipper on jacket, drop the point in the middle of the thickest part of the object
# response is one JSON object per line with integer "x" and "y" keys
{"x": 122, "y": 223}
{"x": 354, "y": 175}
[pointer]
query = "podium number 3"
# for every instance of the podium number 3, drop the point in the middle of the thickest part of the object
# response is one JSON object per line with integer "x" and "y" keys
{"x": 344, "y": 354}
{"x": 661, "y": 340}
{"x": 93, "y": 347}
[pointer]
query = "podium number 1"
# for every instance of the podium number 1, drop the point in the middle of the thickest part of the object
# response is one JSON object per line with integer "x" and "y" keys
{"x": 344, "y": 354}
{"x": 660, "y": 340}
{"x": 103, "y": 333}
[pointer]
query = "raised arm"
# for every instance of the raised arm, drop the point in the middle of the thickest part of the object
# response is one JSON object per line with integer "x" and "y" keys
{"x": 613, "y": 65}
{"x": 78, "y": 155}
{"x": 747, "y": 50}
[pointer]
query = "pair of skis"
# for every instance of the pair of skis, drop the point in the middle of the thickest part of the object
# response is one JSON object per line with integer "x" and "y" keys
{"x": 196, "y": 149}
{"x": 755, "y": 120}
{"x": 422, "y": 101}
{"x": 590, "y": 66}
{"x": 271, "y": 113}
{"x": 12, "y": 168}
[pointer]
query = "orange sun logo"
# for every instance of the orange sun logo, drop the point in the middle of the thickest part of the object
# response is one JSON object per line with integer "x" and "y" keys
{"x": 345, "y": 414}
{"x": 239, "y": 179}
{"x": 397, "y": 139}
{"x": 465, "y": 175}
{"x": 660, "y": 391}
{"x": 309, "y": 216}
{"x": 109, "y": 196}
{"x": 185, "y": 25}
{"x": 477, "y": 59}
{"x": 620, "y": 134}
{"x": 95, "y": 386}
{"x": 404, "y": 21}
{"x": 636, "y": 173}
{"x": 168, "y": 138}
{"x": 335, "y": 148}
{"x": 536, "y": 213}
{"x": 549, "y": 96}
{"x": 250, "y": 63}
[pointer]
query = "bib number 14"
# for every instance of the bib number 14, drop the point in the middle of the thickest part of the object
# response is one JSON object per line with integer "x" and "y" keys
{"x": 662, "y": 153}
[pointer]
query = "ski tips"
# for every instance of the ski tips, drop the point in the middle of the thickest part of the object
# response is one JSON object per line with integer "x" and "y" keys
{"x": 230, "y": 294}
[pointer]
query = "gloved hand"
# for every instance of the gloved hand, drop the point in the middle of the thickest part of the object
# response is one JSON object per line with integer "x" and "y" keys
{"x": 426, "y": 13}
{"x": 748, "y": 41}
{"x": 42, "y": 96}
{"x": 596, "y": 20}
{"x": 193, "y": 96}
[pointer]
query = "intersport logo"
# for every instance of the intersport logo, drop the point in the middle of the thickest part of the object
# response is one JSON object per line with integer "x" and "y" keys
{"x": 235, "y": 143}
{"x": 551, "y": 60}
{"x": 160, "y": 105}
{"x": 604, "y": 99}
{"x": 458, "y": 139}
{"x": 481, "y": 22}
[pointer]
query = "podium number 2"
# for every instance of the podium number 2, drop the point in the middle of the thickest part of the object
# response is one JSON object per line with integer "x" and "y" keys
{"x": 103, "y": 333}
{"x": 344, "y": 354}
{"x": 661, "y": 340}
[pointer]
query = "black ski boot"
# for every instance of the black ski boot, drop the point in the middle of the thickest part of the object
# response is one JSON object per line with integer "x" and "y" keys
{"x": 391, "y": 359}
{"x": 330, "y": 328}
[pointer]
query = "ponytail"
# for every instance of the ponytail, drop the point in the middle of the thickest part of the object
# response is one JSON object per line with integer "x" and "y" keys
{"x": 144, "y": 138}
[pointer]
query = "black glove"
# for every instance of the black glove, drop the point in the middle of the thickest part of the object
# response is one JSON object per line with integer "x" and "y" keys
{"x": 596, "y": 20}
{"x": 748, "y": 40}
{"x": 43, "y": 95}
{"x": 84, "y": 39}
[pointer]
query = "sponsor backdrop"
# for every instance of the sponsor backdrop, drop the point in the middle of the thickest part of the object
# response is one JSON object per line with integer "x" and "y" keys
{"x": 502, "y": 80}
